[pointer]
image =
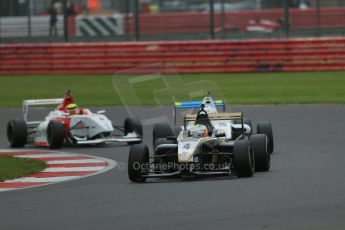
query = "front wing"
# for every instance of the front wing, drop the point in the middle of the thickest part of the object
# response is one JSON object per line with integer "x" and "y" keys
{"x": 107, "y": 140}
{"x": 130, "y": 137}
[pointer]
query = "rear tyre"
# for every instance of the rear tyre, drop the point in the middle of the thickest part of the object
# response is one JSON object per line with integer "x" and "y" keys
{"x": 133, "y": 124}
{"x": 17, "y": 133}
{"x": 266, "y": 128}
{"x": 138, "y": 162}
{"x": 244, "y": 159}
{"x": 161, "y": 130}
{"x": 259, "y": 145}
{"x": 55, "y": 134}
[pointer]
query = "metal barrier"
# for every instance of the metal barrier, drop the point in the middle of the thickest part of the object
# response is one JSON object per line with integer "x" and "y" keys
{"x": 182, "y": 57}
{"x": 239, "y": 21}
{"x": 130, "y": 20}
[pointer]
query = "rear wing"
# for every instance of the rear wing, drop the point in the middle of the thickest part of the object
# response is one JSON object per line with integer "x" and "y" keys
{"x": 219, "y": 116}
{"x": 216, "y": 116}
{"x": 38, "y": 102}
{"x": 195, "y": 104}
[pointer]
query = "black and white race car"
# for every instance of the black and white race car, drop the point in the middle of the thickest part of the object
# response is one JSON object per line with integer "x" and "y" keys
{"x": 209, "y": 144}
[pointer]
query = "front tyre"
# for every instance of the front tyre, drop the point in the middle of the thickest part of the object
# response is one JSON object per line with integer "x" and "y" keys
{"x": 55, "y": 134}
{"x": 244, "y": 159}
{"x": 138, "y": 162}
{"x": 17, "y": 133}
{"x": 133, "y": 124}
{"x": 161, "y": 130}
{"x": 266, "y": 128}
{"x": 161, "y": 141}
{"x": 260, "y": 148}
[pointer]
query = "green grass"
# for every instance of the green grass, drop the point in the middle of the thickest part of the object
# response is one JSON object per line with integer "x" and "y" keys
{"x": 253, "y": 88}
{"x": 12, "y": 167}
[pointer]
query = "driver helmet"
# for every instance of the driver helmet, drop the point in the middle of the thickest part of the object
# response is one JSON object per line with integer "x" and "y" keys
{"x": 73, "y": 109}
{"x": 208, "y": 100}
{"x": 198, "y": 131}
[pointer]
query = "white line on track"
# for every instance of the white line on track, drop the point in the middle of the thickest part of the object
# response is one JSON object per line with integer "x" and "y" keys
{"x": 74, "y": 169}
{"x": 44, "y": 180}
{"x": 45, "y": 155}
{"x": 6, "y": 189}
{"x": 75, "y": 161}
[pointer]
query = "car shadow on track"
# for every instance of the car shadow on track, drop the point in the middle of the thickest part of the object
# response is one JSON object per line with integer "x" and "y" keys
{"x": 189, "y": 180}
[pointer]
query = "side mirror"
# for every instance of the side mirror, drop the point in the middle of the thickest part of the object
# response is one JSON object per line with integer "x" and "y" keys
{"x": 220, "y": 135}
{"x": 172, "y": 138}
{"x": 101, "y": 112}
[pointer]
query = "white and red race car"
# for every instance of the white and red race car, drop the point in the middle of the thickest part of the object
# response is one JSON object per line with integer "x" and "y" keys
{"x": 69, "y": 127}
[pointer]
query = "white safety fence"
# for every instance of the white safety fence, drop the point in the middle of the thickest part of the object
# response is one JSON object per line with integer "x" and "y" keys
{"x": 12, "y": 27}
{"x": 19, "y": 27}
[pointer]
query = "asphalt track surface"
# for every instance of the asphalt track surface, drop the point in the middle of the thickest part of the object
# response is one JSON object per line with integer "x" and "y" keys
{"x": 305, "y": 188}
